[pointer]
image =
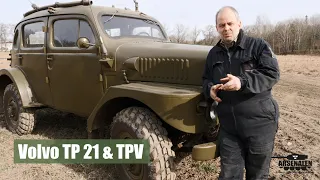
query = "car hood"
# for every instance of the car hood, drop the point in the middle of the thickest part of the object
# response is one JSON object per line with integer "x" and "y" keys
{"x": 163, "y": 49}
{"x": 163, "y": 62}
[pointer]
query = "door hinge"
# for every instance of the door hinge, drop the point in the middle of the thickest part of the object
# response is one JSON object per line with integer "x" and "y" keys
{"x": 47, "y": 80}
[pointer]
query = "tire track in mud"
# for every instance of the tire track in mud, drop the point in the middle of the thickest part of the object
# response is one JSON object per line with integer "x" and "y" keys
{"x": 300, "y": 132}
{"x": 299, "y": 123}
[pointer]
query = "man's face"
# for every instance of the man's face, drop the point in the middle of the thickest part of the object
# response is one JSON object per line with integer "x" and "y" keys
{"x": 228, "y": 26}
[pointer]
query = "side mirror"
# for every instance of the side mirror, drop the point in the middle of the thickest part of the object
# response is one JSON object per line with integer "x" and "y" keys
{"x": 83, "y": 43}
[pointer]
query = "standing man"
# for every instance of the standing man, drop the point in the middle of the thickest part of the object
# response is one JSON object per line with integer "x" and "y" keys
{"x": 239, "y": 74}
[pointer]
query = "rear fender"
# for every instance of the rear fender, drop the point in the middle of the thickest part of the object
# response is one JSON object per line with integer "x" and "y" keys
{"x": 14, "y": 75}
{"x": 174, "y": 104}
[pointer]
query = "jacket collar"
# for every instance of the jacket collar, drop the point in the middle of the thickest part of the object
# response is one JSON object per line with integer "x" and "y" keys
{"x": 240, "y": 41}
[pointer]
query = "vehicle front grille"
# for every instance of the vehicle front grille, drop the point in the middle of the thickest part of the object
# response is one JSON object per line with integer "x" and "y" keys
{"x": 164, "y": 68}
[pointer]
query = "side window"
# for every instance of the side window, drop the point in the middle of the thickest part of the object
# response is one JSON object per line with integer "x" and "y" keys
{"x": 15, "y": 39}
{"x": 86, "y": 31}
{"x": 33, "y": 36}
{"x": 66, "y": 32}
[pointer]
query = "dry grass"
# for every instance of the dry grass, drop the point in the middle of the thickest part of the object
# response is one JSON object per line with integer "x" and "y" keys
{"x": 304, "y": 65}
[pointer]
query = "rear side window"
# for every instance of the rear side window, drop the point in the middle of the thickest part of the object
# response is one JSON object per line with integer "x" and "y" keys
{"x": 67, "y": 32}
{"x": 33, "y": 35}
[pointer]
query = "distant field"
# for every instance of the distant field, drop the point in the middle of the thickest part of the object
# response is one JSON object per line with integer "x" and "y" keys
{"x": 298, "y": 95}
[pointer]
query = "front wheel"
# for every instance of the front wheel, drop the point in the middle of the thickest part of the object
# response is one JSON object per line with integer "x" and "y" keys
{"x": 141, "y": 123}
{"x": 18, "y": 120}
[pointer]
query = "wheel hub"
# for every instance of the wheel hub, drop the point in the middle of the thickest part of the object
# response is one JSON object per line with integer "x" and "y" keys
{"x": 134, "y": 171}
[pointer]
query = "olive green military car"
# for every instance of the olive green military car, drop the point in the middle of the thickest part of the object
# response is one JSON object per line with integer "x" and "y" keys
{"x": 117, "y": 68}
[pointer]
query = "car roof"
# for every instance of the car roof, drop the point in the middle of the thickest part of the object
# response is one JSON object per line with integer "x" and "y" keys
{"x": 87, "y": 10}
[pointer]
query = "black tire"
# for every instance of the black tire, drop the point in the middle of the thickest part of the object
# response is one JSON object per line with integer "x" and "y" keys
{"x": 143, "y": 124}
{"x": 18, "y": 120}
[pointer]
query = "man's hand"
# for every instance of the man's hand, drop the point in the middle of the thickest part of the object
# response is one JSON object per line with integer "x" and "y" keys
{"x": 213, "y": 92}
{"x": 230, "y": 83}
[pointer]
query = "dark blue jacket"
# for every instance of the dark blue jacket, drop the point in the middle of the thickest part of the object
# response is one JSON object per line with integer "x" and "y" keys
{"x": 252, "y": 60}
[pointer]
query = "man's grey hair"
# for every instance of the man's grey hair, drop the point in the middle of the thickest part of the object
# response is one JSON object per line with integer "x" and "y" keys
{"x": 232, "y": 9}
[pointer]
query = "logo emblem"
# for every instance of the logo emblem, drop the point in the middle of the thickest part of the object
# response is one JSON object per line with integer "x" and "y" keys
{"x": 298, "y": 162}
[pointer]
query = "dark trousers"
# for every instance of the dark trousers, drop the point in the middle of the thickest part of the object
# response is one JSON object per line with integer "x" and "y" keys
{"x": 247, "y": 148}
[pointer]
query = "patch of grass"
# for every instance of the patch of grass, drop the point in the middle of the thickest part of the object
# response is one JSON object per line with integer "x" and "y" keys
{"x": 206, "y": 167}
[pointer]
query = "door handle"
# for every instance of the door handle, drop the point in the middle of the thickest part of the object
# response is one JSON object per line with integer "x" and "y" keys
{"x": 49, "y": 59}
{"x": 9, "y": 58}
{"x": 20, "y": 59}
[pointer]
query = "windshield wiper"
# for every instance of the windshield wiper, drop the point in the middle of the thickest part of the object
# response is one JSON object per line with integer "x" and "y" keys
{"x": 110, "y": 17}
{"x": 151, "y": 22}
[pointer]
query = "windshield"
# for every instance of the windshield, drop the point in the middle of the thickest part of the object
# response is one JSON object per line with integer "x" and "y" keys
{"x": 118, "y": 26}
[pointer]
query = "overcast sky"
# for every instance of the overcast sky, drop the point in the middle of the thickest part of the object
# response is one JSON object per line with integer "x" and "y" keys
{"x": 188, "y": 12}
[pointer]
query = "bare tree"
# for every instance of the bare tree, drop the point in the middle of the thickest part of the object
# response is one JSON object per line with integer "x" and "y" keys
{"x": 297, "y": 30}
{"x": 299, "y": 35}
{"x": 210, "y": 36}
{"x": 282, "y": 30}
{"x": 194, "y": 35}
{"x": 3, "y": 35}
{"x": 262, "y": 27}
{"x": 250, "y": 30}
{"x": 314, "y": 32}
{"x": 179, "y": 34}
{"x": 166, "y": 29}
{"x": 6, "y": 35}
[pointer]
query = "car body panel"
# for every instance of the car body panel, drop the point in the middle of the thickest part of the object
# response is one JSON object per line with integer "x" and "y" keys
{"x": 18, "y": 78}
{"x": 175, "y": 104}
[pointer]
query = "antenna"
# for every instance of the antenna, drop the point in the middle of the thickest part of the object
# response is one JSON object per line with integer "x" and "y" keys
{"x": 34, "y": 6}
{"x": 136, "y": 5}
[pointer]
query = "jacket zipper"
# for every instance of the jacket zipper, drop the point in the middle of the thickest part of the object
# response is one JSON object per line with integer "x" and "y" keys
{"x": 229, "y": 58}
{"x": 231, "y": 105}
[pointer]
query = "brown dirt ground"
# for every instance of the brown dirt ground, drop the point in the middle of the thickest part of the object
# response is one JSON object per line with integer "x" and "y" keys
{"x": 298, "y": 95}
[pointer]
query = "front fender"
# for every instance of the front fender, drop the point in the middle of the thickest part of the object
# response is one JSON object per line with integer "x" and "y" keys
{"x": 175, "y": 104}
{"x": 18, "y": 78}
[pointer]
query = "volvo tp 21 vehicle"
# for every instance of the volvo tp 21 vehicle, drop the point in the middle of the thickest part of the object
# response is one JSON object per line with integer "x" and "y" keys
{"x": 117, "y": 68}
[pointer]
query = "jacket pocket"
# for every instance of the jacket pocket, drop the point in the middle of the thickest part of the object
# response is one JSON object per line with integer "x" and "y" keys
{"x": 218, "y": 71}
{"x": 269, "y": 108}
{"x": 247, "y": 64}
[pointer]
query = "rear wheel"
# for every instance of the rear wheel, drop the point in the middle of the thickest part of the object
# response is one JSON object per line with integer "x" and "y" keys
{"x": 18, "y": 120}
{"x": 140, "y": 123}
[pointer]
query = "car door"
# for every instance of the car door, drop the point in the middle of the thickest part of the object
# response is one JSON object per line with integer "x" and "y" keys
{"x": 74, "y": 73}
{"x": 14, "y": 52}
{"x": 32, "y": 58}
